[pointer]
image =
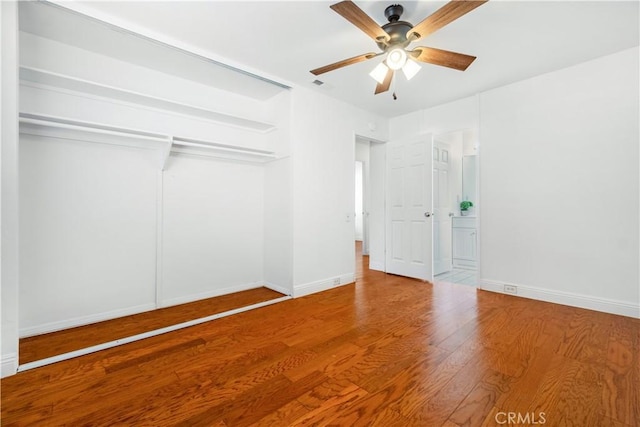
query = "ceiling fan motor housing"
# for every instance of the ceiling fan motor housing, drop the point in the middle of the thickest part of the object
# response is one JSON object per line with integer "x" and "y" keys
{"x": 396, "y": 29}
{"x": 393, "y": 12}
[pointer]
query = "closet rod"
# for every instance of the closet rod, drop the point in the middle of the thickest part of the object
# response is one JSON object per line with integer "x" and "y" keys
{"x": 220, "y": 147}
{"x": 72, "y": 124}
{"x": 110, "y": 130}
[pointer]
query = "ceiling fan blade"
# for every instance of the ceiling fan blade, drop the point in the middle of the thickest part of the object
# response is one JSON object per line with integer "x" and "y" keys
{"x": 384, "y": 86}
{"x": 445, "y": 58}
{"x": 352, "y": 13}
{"x": 344, "y": 63}
{"x": 443, "y": 16}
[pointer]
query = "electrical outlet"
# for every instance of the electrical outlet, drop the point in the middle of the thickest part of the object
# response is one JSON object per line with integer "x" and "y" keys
{"x": 336, "y": 281}
{"x": 510, "y": 289}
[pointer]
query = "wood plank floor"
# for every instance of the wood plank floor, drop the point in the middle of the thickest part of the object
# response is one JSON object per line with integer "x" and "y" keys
{"x": 386, "y": 351}
{"x": 46, "y": 345}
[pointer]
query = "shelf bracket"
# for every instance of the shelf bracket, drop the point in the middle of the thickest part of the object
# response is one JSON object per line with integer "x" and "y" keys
{"x": 165, "y": 153}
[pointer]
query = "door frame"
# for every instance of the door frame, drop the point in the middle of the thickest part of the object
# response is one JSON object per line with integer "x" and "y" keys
{"x": 374, "y": 216}
{"x": 440, "y": 217}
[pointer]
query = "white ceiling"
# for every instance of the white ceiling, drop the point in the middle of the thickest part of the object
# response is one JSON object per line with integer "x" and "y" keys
{"x": 513, "y": 40}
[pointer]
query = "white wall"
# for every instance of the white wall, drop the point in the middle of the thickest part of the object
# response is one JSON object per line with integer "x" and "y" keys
{"x": 323, "y": 136}
{"x": 278, "y": 230}
{"x": 377, "y": 225}
{"x": 212, "y": 228}
{"x": 559, "y": 185}
{"x": 445, "y": 118}
{"x": 87, "y": 232}
{"x": 9, "y": 180}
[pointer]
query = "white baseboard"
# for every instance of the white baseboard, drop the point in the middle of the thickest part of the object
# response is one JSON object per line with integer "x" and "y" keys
{"x": 376, "y": 265}
{"x": 565, "y": 298}
{"x": 283, "y": 290}
{"x": 322, "y": 285}
{"x": 9, "y": 364}
{"x": 83, "y": 320}
{"x": 209, "y": 294}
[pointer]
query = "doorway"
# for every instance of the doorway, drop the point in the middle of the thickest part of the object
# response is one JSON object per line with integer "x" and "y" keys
{"x": 455, "y": 225}
{"x": 359, "y": 203}
{"x": 362, "y": 193}
{"x": 372, "y": 154}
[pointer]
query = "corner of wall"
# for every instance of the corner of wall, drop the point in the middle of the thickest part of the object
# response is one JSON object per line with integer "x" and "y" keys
{"x": 304, "y": 289}
{"x": 285, "y": 290}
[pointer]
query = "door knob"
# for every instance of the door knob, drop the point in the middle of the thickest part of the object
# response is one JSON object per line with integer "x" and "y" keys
{"x": 427, "y": 214}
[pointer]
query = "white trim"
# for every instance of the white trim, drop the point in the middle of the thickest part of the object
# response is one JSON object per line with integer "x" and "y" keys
{"x": 565, "y": 298}
{"x": 159, "y": 234}
{"x": 208, "y": 294}
{"x": 138, "y": 337}
{"x": 278, "y": 288}
{"x": 9, "y": 364}
{"x": 322, "y": 285}
{"x": 84, "y": 320}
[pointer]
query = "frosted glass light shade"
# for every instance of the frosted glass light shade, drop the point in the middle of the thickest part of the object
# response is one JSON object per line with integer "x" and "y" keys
{"x": 410, "y": 69}
{"x": 379, "y": 73}
{"x": 396, "y": 58}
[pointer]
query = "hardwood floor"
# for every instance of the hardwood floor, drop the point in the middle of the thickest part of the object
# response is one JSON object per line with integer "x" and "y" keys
{"x": 386, "y": 351}
{"x": 46, "y": 345}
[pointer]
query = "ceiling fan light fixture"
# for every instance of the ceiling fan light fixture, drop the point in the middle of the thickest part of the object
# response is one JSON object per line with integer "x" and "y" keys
{"x": 410, "y": 69}
{"x": 379, "y": 73}
{"x": 395, "y": 36}
{"x": 396, "y": 58}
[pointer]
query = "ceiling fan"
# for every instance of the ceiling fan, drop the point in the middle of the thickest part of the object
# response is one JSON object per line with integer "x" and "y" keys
{"x": 394, "y": 37}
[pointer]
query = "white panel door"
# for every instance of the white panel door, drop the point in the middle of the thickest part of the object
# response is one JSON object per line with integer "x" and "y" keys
{"x": 409, "y": 209}
{"x": 442, "y": 211}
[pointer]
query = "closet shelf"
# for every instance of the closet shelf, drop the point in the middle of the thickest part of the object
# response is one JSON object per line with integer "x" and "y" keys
{"x": 48, "y": 78}
{"x": 169, "y": 143}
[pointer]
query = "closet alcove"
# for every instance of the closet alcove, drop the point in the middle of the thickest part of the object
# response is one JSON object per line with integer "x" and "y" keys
{"x": 148, "y": 176}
